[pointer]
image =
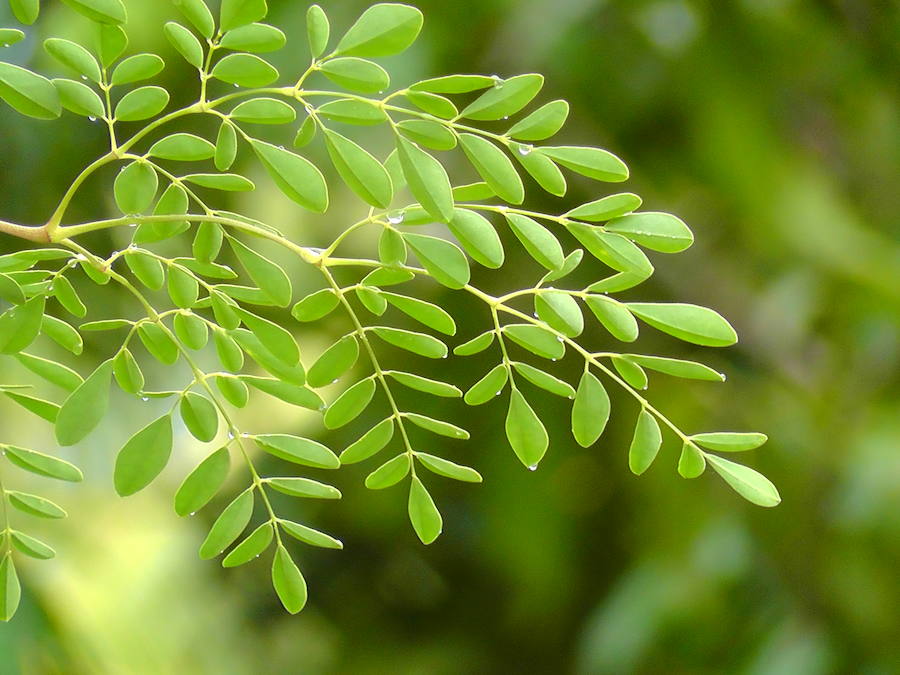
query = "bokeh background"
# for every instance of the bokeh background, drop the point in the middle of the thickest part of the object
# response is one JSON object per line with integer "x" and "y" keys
{"x": 772, "y": 128}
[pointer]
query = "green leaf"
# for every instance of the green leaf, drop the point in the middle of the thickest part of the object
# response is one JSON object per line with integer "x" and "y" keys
{"x": 545, "y": 381}
{"x": 174, "y": 201}
{"x": 57, "y": 373}
{"x": 615, "y": 317}
{"x": 206, "y": 246}
{"x": 541, "y": 168}
{"x": 391, "y": 247}
{"x": 310, "y": 536}
{"x": 183, "y": 147}
{"x": 304, "y": 487}
{"x": 128, "y": 373}
{"x": 431, "y": 315}
{"x": 306, "y": 133}
{"x": 591, "y": 162}
{"x": 494, "y": 166}
{"x": 10, "y": 589}
{"x": 29, "y": 93}
{"x": 691, "y": 462}
{"x": 475, "y": 345}
{"x": 448, "y": 469}
{"x": 749, "y": 484}
{"x": 229, "y": 525}
{"x": 85, "y": 407}
{"x": 265, "y": 274}
{"x": 148, "y": 269}
{"x": 382, "y": 30}
{"x": 607, "y": 208}
{"x": 68, "y": 297}
{"x": 255, "y": 37}
{"x": 199, "y": 416}
{"x": 390, "y": 473}
{"x": 234, "y": 391}
{"x": 73, "y": 56}
{"x": 33, "y": 548}
{"x": 43, "y": 409}
{"x": 454, "y": 84}
{"x": 43, "y": 465}
{"x": 360, "y": 170}
{"x": 298, "y": 450}
{"x": 729, "y": 441}
{"x": 478, "y": 237}
{"x": 263, "y": 355}
{"x": 79, "y": 98}
{"x": 645, "y": 444}
{"x": 245, "y": 70}
{"x": 228, "y": 351}
{"x": 542, "y": 123}
{"x": 657, "y": 231}
{"x": 318, "y": 30}
{"x": 228, "y": 182}
{"x": 183, "y": 287}
{"x": 101, "y": 11}
{"x": 560, "y": 311}
{"x": 34, "y": 505}
{"x": 202, "y": 483}
{"x": 236, "y": 13}
{"x": 334, "y": 362}
{"x": 158, "y": 343}
{"x": 199, "y": 15}
{"x": 143, "y": 457}
{"x": 372, "y": 442}
{"x": 423, "y": 514}
{"x": 185, "y": 43}
{"x": 20, "y": 325}
{"x": 135, "y": 187}
{"x": 141, "y": 103}
{"x": 356, "y": 74}
{"x": 442, "y": 259}
{"x": 350, "y": 404}
{"x": 678, "y": 368}
{"x": 275, "y": 338}
{"x": 631, "y": 372}
{"x": 473, "y": 192}
{"x": 348, "y": 111}
{"x": 536, "y": 339}
{"x": 417, "y": 343}
{"x": 488, "y": 386}
{"x": 590, "y": 411}
{"x": 612, "y": 249}
{"x": 438, "y": 427}
{"x": 427, "y": 180}
{"x": 525, "y": 432}
{"x": 505, "y": 98}
{"x": 190, "y": 330}
{"x": 296, "y": 176}
{"x": 433, "y": 104}
{"x": 27, "y": 12}
{"x": 111, "y": 43}
{"x": 316, "y": 305}
{"x": 537, "y": 240}
{"x": 11, "y": 291}
{"x": 288, "y": 582}
{"x": 384, "y": 276}
{"x": 226, "y": 146}
{"x": 255, "y": 543}
{"x": 62, "y": 333}
{"x": 428, "y": 133}
{"x": 691, "y": 323}
{"x": 424, "y": 384}
{"x": 286, "y": 391}
{"x": 620, "y": 281}
{"x": 264, "y": 111}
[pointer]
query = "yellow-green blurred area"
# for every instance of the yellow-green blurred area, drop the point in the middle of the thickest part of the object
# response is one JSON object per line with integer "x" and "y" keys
{"x": 772, "y": 128}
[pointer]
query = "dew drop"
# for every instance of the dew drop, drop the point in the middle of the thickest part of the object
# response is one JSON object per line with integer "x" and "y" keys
{"x": 281, "y": 147}
{"x": 193, "y": 513}
{"x": 245, "y": 435}
{"x": 132, "y": 224}
{"x": 50, "y": 287}
{"x": 534, "y": 314}
{"x": 506, "y": 117}
{"x": 236, "y": 85}
{"x": 444, "y": 356}
{"x": 230, "y": 436}
{"x": 532, "y": 467}
{"x": 92, "y": 118}
{"x": 497, "y": 80}
{"x": 559, "y": 338}
{"x": 84, "y": 77}
{"x": 145, "y": 398}
{"x": 553, "y": 359}
{"x": 334, "y": 381}
{"x": 525, "y": 150}
{"x": 396, "y": 219}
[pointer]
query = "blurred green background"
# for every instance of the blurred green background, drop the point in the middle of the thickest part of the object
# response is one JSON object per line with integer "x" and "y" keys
{"x": 772, "y": 128}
